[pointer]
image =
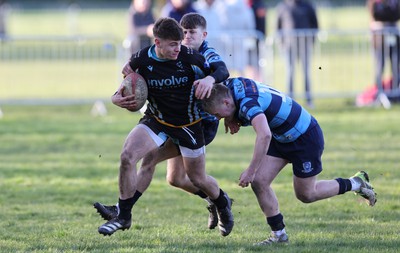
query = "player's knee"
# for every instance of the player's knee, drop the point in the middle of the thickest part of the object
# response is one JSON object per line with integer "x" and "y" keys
{"x": 259, "y": 185}
{"x": 173, "y": 181}
{"x": 256, "y": 186}
{"x": 197, "y": 181}
{"x": 305, "y": 197}
{"x": 148, "y": 161}
{"x": 127, "y": 159}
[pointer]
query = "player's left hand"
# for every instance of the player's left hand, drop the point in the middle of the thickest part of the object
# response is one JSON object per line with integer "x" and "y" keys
{"x": 246, "y": 177}
{"x": 232, "y": 125}
{"x": 203, "y": 87}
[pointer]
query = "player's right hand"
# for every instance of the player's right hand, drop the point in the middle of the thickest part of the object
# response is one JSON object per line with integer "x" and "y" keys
{"x": 126, "y": 69}
{"x": 246, "y": 177}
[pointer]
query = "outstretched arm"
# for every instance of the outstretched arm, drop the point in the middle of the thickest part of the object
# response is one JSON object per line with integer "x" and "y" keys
{"x": 263, "y": 139}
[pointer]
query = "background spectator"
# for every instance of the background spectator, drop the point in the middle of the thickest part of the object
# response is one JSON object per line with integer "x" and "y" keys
{"x": 260, "y": 14}
{"x": 260, "y": 18}
{"x": 73, "y": 12}
{"x": 385, "y": 41}
{"x": 177, "y": 8}
{"x": 141, "y": 20}
{"x": 295, "y": 19}
{"x": 209, "y": 10}
{"x": 5, "y": 8}
{"x": 239, "y": 35}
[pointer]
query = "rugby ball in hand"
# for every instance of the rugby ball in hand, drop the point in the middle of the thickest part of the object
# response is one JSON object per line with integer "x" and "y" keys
{"x": 134, "y": 84}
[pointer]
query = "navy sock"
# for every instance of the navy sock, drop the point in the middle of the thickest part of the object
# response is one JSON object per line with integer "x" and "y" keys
{"x": 276, "y": 222}
{"x": 201, "y": 194}
{"x": 125, "y": 206}
{"x": 221, "y": 201}
{"x": 344, "y": 185}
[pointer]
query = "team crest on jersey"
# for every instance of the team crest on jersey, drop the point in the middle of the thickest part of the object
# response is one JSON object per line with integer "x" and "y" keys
{"x": 307, "y": 167}
{"x": 150, "y": 68}
{"x": 180, "y": 66}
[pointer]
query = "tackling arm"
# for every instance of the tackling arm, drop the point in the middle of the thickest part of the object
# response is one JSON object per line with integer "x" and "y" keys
{"x": 263, "y": 139}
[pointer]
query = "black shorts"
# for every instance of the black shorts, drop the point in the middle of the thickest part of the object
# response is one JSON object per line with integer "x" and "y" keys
{"x": 304, "y": 153}
{"x": 210, "y": 129}
{"x": 190, "y": 137}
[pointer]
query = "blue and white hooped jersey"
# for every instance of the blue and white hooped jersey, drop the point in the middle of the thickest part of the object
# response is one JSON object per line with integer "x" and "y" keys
{"x": 209, "y": 53}
{"x": 286, "y": 118}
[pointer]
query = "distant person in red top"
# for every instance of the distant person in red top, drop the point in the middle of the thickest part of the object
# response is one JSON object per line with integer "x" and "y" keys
{"x": 384, "y": 16}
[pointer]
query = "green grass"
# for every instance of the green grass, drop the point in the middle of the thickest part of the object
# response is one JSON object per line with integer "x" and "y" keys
{"x": 57, "y": 160}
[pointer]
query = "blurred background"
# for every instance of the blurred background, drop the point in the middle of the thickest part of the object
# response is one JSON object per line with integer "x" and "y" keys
{"x": 56, "y": 52}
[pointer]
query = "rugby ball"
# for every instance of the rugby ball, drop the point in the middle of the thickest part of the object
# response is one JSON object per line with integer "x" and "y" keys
{"x": 134, "y": 84}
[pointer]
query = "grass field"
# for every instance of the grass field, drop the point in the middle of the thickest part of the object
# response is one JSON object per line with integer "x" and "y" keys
{"x": 57, "y": 160}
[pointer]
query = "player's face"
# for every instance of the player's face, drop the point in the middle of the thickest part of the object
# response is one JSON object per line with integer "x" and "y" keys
{"x": 168, "y": 49}
{"x": 194, "y": 37}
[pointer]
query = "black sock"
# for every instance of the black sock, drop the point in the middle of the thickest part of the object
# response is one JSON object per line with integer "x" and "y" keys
{"x": 344, "y": 185}
{"x": 125, "y": 206}
{"x": 136, "y": 196}
{"x": 201, "y": 194}
{"x": 276, "y": 222}
{"x": 221, "y": 201}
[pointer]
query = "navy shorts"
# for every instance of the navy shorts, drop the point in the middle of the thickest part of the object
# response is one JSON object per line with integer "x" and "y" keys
{"x": 190, "y": 137}
{"x": 304, "y": 153}
{"x": 210, "y": 129}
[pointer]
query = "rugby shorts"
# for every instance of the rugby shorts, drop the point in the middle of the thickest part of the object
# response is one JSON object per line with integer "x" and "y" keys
{"x": 304, "y": 153}
{"x": 190, "y": 139}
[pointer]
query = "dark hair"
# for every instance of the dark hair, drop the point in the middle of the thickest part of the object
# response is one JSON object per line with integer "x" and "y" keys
{"x": 218, "y": 93}
{"x": 167, "y": 29}
{"x": 193, "y": 20}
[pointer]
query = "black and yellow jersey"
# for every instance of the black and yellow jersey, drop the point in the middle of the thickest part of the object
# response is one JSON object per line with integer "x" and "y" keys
{"x": 170, "y": 84}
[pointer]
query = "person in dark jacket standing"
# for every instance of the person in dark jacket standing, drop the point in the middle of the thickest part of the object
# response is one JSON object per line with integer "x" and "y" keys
{"x": 297, "y": 25}
{"x": 141, "y": 21}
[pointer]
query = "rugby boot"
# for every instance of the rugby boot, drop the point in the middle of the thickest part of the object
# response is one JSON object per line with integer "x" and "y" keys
{"x": 225, "y": 218}
{"x": 366, "y": 190}
{"x": 106, "y": 212}
{"x": 111, "y": 226}
{"x": 283, "y": 238}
